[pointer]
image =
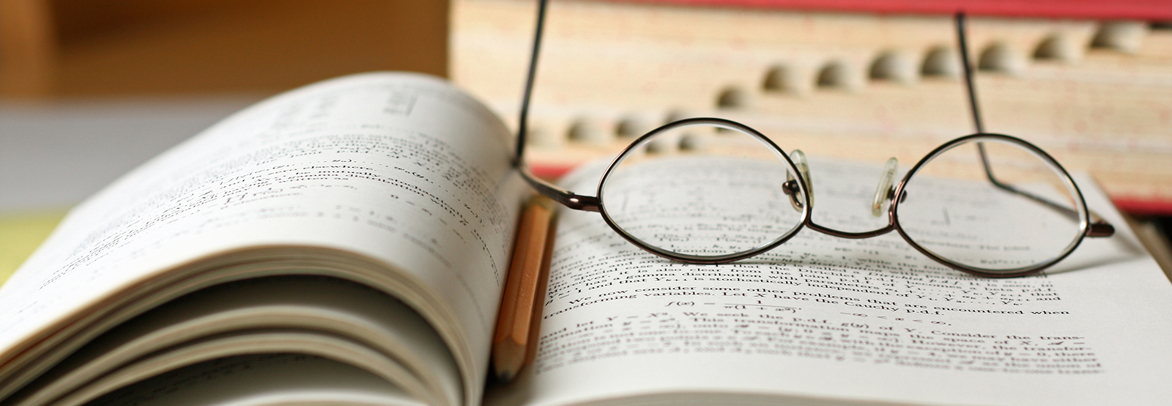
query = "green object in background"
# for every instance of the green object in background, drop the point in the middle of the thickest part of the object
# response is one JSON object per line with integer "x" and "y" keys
{"x": 20, "y": 234}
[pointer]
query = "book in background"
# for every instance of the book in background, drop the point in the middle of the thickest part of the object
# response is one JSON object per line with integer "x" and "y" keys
{"x": 1090, "y": 83}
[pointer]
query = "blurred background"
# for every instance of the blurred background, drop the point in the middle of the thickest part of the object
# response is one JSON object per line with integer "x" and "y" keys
{"x": 91, "y": 88}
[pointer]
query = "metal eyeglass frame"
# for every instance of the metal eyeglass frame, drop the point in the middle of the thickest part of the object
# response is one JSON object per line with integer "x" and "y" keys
{"x": 799, "y": 188}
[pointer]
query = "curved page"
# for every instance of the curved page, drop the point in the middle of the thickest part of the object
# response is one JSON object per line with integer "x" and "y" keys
{"x": 304, "y": 303}
{"x": 401, "y": 168}
{"x": 262, "y": 380}
{"x": 246, "y": 343}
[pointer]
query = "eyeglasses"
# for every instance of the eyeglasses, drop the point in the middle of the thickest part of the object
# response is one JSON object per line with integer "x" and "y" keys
{"x": 988, "y": 204}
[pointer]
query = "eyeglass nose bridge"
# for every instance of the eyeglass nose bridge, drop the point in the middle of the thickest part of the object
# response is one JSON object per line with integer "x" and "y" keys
{"x": 884, "y": 192}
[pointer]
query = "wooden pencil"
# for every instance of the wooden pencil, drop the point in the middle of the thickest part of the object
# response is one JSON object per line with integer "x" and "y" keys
{"x": 519, "y": 318}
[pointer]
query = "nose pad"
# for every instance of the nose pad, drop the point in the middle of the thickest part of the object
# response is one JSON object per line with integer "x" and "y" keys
{"x": 791, "y": 185}
{"x": 884, "y": 193}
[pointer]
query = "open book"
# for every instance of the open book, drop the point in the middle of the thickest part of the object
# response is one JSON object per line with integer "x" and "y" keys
{"x": 346, "y": 243}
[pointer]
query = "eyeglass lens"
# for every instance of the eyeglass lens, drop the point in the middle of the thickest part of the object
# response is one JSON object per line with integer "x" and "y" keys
{"x": 1025, "y": 215}
{"x": 701, "y": 190}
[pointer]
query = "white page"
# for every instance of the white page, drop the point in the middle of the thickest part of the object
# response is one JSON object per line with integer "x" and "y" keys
{"x": 270, "y": 379}
{"x": 318, "y": 304}
{"x": 402, "y": 168}
{"x": 822, "y": 318}
{"x": 246, "y": 342}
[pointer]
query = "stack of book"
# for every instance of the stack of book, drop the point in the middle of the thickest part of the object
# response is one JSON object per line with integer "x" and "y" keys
{"x": 1089, "y": 88}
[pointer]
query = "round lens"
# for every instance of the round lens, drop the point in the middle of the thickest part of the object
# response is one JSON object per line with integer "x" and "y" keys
{"x": 992, "y": 205}
{"x": 704, "y": 190}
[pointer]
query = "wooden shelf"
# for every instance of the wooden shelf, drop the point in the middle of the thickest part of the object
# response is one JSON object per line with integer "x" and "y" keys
{"x": 1099, "y": 102}
{"x": 69, "y": 48}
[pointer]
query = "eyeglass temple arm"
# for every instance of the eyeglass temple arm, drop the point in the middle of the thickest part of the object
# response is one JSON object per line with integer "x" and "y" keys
{"x": 523, "y": 120}
{"x": 1098, "y": 226}
{"x": 562, "y": 196}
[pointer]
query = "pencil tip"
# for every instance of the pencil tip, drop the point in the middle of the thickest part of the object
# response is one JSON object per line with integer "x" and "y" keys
{"x": 505, "y": 376}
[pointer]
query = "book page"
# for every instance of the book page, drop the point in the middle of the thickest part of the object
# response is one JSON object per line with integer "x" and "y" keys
{"x": 247, "y": 342}
{"x": 267, "y": 379}
{"x": 400, "y": 168}
{"x": 827, "y": 319}
{"x": 322, "y": 305}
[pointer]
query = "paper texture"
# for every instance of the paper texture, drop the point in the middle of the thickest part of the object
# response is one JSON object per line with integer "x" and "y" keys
{"x": 829, "y": 319}
{"x": 402, "y": 169}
